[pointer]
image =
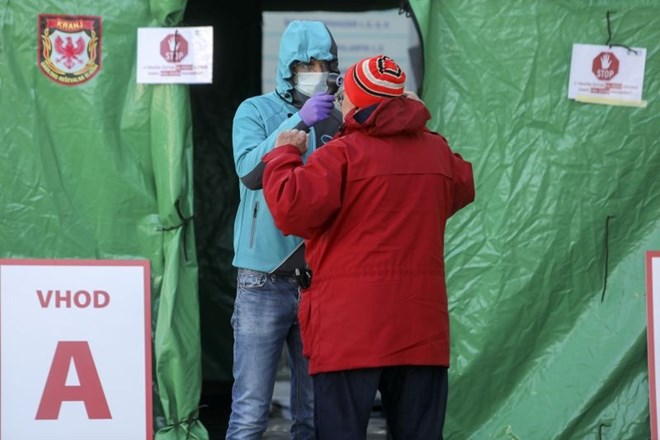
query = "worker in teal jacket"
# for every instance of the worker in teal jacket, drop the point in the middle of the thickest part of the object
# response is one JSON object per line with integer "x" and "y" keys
{"x": 266, "y": 305}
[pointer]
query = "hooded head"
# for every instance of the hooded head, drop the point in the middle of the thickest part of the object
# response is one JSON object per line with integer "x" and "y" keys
{"x": 302, "y": 41}
{"x": 371, "y": 80}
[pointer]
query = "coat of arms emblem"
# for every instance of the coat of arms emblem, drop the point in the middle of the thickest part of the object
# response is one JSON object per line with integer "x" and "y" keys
{"x": 69, "y": 47}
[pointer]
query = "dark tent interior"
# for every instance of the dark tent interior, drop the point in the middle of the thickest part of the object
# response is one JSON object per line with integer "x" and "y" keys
{"x": 237, "y": 76}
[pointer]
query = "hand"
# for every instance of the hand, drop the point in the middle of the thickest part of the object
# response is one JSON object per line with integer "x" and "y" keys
{"x": 297, "y": 138}
{"x": 317, "y": 108}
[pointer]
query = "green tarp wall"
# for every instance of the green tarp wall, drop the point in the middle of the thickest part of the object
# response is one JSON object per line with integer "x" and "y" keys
{"x": 546, "y": 269}
{"x": 102, "y": 170}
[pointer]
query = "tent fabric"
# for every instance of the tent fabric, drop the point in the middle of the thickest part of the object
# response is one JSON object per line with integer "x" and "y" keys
{"x": 102, "y": 170}
{"x": 546, "y": 276}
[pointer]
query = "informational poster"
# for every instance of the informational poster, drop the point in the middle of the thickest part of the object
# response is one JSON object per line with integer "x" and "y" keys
{"x": 357, "y": 34}
{"x": 75, "y": 350}
{"x": 181, "y": 55}
{"x": 607, "y": 75}
{"x": 653, "y": 324}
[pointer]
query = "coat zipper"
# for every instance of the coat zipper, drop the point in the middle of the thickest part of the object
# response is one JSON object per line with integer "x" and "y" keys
{"x": 253, "y": 229}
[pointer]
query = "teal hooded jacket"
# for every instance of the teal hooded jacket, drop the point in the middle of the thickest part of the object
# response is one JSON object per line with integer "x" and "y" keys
{"x": 258, "y": 244}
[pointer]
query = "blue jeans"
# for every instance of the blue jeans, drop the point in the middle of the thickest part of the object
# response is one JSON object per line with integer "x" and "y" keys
{"x": 264, "y": 319}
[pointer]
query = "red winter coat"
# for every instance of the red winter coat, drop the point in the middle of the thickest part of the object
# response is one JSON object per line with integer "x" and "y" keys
{"x": 372, "y": 206}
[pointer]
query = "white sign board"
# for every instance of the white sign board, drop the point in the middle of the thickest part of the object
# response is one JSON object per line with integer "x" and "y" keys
{"x": 357, "y": 34}
{"x": 181, "y": 55}
{"x": 653, "y": 320}
{"x": 613, "y": 75}
{"x": 75, "y": 350}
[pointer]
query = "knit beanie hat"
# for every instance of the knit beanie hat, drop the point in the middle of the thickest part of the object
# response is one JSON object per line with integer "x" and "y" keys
{"x": 371, "y": 80}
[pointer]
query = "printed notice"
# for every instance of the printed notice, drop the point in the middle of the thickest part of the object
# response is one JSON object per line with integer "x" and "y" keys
{"x": 175, "y": 55}
{"x": 357, "y": 35}
{"x": 607, "y": 75}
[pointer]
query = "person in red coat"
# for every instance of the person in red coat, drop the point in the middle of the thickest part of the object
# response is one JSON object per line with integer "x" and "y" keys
{"x": 372, "y": 205}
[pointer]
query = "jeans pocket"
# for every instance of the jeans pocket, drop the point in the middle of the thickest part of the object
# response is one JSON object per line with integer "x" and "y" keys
{"x": 248, "y": 279}
{"x": 304, "y": 318}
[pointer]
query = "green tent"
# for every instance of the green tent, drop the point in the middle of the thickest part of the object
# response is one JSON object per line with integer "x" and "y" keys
{"x": 96, "y": 166}
{"x": 546, "y": 269}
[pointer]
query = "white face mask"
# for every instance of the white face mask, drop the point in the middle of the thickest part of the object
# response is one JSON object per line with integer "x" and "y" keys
{"x": 309, "y": 83}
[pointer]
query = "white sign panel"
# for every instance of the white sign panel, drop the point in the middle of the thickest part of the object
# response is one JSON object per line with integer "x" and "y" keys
{"x": 181, "y": 55}
{"x": 609, "y": 73}
{"x": 357, "y": 34}
{"x": 653, "y": 320}
{"x": 75, "y": 350}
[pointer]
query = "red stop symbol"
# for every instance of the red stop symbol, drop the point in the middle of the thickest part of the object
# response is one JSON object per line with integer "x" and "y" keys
{"x": 605, "y": 66}
{"x": 174, "y": 48}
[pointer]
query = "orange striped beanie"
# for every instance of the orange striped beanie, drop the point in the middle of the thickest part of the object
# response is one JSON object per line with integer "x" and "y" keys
{"x": 371, "y": 80}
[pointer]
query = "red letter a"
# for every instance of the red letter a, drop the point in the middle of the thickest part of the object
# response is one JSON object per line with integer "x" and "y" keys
{"x": 89, "y": 391}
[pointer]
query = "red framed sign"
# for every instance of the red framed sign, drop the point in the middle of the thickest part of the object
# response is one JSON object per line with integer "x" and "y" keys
{"x": 75, "y": 349}
{"x": 653, "y": 318}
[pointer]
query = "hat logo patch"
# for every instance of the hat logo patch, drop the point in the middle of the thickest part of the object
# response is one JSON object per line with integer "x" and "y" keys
{"x": 387, "y": 65}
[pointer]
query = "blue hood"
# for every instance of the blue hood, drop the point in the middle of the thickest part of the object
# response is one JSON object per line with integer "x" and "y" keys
{"x": 301, "y": 41}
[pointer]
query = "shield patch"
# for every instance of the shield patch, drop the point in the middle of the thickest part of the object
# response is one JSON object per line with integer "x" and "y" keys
{"x": 69, "y": 48}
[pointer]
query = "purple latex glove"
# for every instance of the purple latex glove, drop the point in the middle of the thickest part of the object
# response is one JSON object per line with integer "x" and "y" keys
{"x": 317, "y": 108}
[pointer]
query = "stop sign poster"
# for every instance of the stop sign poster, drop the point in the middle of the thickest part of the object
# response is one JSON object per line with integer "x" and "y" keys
{"x": 75, "y": 350}
{"x": 614, "y": 73}
{"x": 181, "y": 55}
